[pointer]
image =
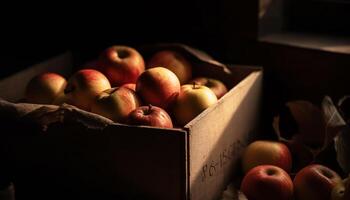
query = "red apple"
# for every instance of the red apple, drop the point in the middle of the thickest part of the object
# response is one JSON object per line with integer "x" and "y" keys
{"x": 173, "y": 61}
{"x": 131, "y": 86}
{"x": 158, "y": 86}
{"x": 267, "y": 182}
{"x": 192, "y": 100}
{"x": 121, "y": 64}
{"x": 215, "y": 85}
{"x": 116, "y": 103}
{"x": 264, "y": 152}
{"x": 315, "y": 182}
{"x": 84, "y": 86}
{"x": 45, "y": 88}
{"x": 150, "y": 116}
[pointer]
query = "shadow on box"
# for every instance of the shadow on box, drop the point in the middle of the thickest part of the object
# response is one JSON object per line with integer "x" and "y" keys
{"x": 70, "y": 172}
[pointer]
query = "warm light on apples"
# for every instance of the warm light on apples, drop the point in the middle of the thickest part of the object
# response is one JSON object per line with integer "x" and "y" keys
{"x": 158, "y": 86}
{"x": 84, "y": 86}
{"x": 131, "y": 86}
{"x": 115, "y": 103}
{"x": 150, "y": 116}
{"x": 315, "y": 182}
{"x": 263, "y": 152}
{"x": 215, "y": 85}
{"x": 45, "y": 88}
{"x": 192, "y": 100}
{"x": 173, "y": 61}
{"x": 121, "y": 64}
{"x": 267, "y": 182}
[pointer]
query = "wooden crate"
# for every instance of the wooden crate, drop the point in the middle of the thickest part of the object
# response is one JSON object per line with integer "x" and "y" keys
{"x": 118, "y": 161}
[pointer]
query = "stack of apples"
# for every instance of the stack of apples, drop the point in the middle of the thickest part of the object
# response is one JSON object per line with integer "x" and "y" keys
{"x": 267, "y": 175}
{"x": 124, "y": 88}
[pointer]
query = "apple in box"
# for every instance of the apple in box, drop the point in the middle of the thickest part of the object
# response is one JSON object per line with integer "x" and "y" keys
{"x": 192, "y": 100}
{"x": 121, "y": 64}
{"x": 150, "y": 116}
{"x": 215, "y": 85}
{"x": 315, "y": 182}
{"x": 45, "y": 88}
{"x": 173, "y": 61}
{"x": 84, "y": 86}
{"x": 116, "y": 103}
{"x": 265, "y": 152}
{"x": 267, "y": 182}
{"x": 158, "y": 86}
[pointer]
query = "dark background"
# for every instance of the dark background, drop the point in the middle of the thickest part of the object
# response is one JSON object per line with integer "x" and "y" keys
{"x": 228, "y": 30}
{"x": 30, "y": 34}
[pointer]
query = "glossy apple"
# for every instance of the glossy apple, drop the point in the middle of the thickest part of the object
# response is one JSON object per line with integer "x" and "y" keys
{"x": 192, "y": 100}
{"x": 158, "y": 86}
{"x": 267, "y": 182}
{"x": 84, "y": 86}
{"x": 45, "y": 88}
{"x": 173, "y": 61}
{"x": 150, "y": 116}
{"x": 215, "y": 85}
{"x": 116, "y": 103}
{"x": 341, "y": 190}
{"x": 121, "y": 64}
{"x": 315, "y": 182}
{"x": 264, "y": 152}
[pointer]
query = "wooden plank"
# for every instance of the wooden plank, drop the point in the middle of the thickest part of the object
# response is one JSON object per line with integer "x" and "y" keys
{"x": 118, "y": 162}
{"x": 219, "y": 134}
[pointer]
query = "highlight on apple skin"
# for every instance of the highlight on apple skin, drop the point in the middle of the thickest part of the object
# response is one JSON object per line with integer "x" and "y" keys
{"x": 150, "y": 116}
{"x": 84, "y": 86}
{"x": 173, "y": 61}
{"x": 158, "y": 86}
{"x": 121, "y": 64}
{"x": 116, "y": 103}
{"x": 45, "y": 88}
{"x": 265, "y": 152}
{"x": 267, "y": 182}
{"x": 315, "y": 182}
{"x": 192, "y": 100}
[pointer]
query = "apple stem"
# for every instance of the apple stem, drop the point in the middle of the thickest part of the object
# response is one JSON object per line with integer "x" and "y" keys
{"x": 194, "y": 85}
{"x": 149, "y": 108}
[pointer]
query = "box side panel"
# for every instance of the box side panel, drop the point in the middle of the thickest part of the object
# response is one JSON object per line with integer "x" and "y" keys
{"x": 218, "y": 136}
{"x": 118, "y": 162}
{"x": 12, "y": 88}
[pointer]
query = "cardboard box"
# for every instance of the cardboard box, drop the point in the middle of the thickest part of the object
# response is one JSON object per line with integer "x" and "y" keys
{"x": 83, "y": 159}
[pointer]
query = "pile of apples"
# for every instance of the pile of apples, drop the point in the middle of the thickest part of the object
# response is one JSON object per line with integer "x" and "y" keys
{"x": 283, "y": 169}
{"x": 123, "y": 87}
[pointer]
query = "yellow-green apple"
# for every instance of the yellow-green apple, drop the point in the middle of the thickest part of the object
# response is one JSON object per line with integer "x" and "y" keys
{"x": 192, "y": 100}
{"x": 116, "y": 103}
{"x": 158, "y": 86}
{"x": 173, "y": 61}
{"x": 340, "y": 192}
{"x": 84, "y": 86}
{"x": 150, "y": 116}
{"x": 315, "y": 182}
{"x": 121, "y": 64}
{"x": 347, "y": 188}
{"x": 267, "y": 182}
{"x": 45, "y": 88}
{"x": 265, "y": 152}
{"x": 215, "y": 85}
{"x": 130, "y": 86}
